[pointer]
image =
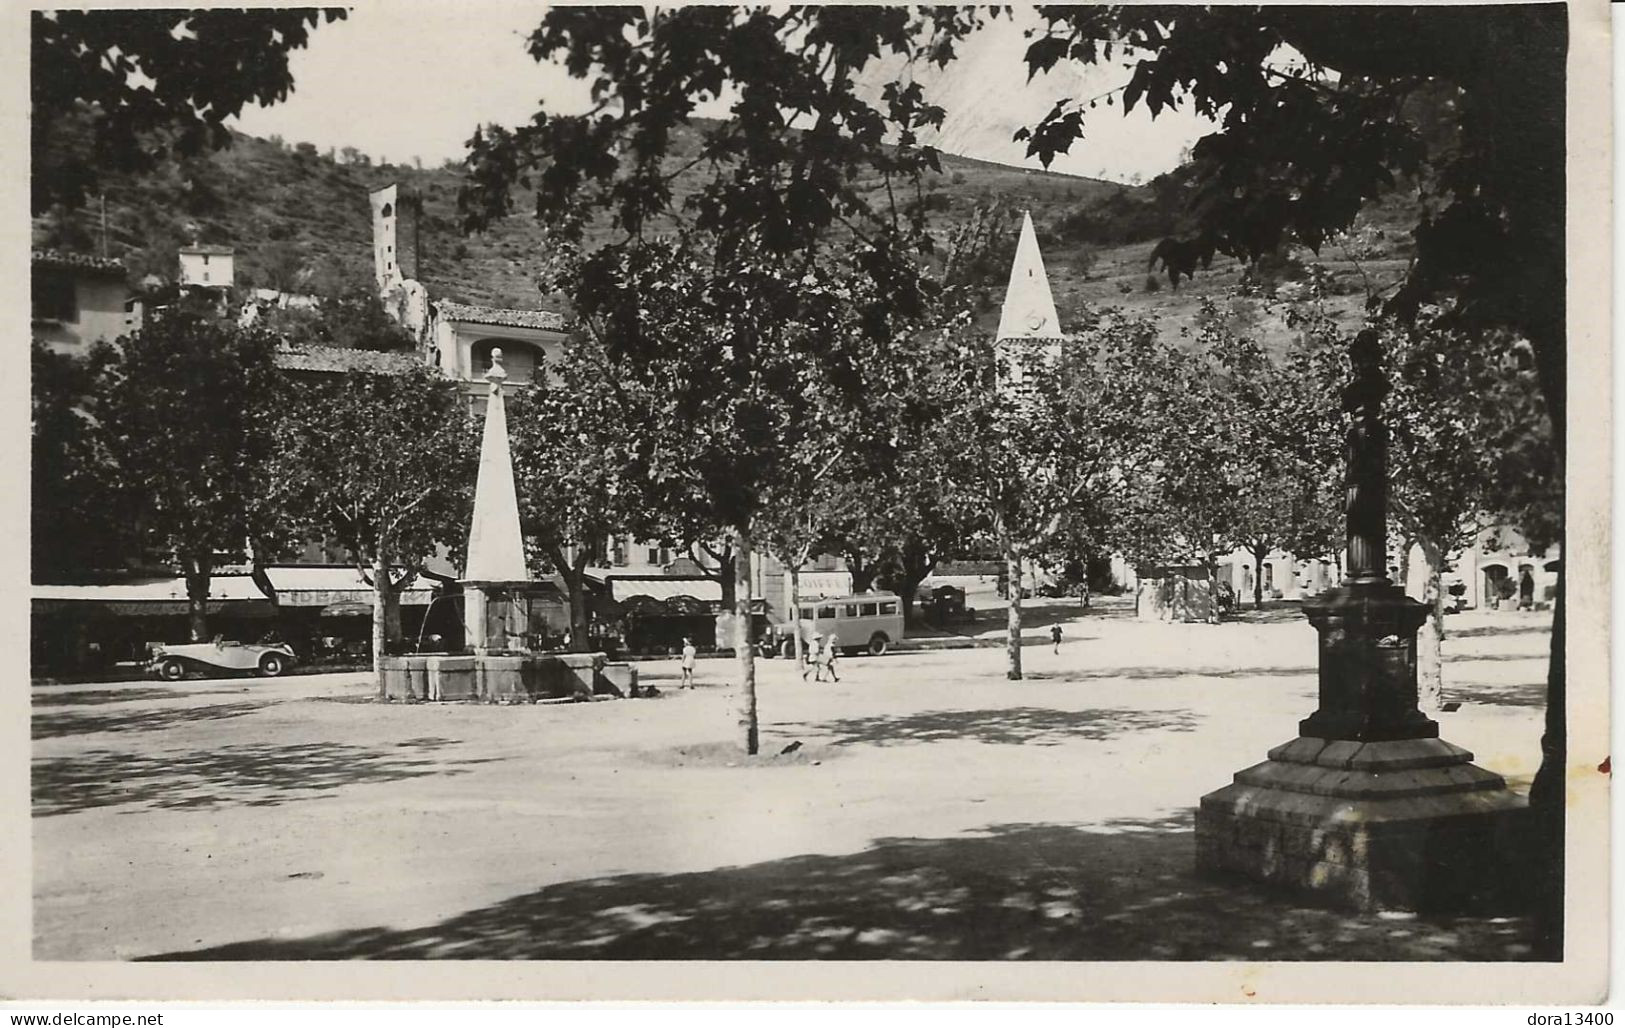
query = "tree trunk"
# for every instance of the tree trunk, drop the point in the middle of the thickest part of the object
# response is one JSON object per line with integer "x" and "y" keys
{"x": 1405, "y": 544}
{"x": 381, "y": 602}
{"x": 1548, "y": 802}
{"x": 260, "y": 575}
{"x": 795, "y": 618}
{"x": 575, "y": 587}
{"x": 746, "y": 655}
{"x": 1258, "y": 580}
{"x": 197, "y": 598}
{"x": 862, "y": 572}
{"x": 916, "y": 569}
{"x": 1429, "y": 643}
{"x": 1213, "y": 591}
{"x": 728, "y": 570}
{"x": 1012, "y": 642}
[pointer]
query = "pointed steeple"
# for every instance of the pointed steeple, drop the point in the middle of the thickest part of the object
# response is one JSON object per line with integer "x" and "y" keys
{"x": 1029, "y": 308}
{"x": 496, "y": 549}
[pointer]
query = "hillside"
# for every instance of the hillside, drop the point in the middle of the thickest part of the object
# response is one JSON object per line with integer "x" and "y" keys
{"x": 299, "y": 221}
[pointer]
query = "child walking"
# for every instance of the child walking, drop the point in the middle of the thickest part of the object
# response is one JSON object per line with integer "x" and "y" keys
{"x": 689, "y": 653}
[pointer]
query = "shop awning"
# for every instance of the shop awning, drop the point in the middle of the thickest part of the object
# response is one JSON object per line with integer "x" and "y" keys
{"x": 315, "y": 585}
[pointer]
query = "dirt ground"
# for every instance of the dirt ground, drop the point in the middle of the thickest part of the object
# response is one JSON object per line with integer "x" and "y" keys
{"x": 933, "y": 810}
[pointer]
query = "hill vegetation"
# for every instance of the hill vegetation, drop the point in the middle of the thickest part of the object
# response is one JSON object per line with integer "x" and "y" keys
{"x": 299, "y": 221}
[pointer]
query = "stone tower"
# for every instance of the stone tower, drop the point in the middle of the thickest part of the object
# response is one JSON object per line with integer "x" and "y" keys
{"x": 1029, "y": 327}
{"x": 394, "y": 236}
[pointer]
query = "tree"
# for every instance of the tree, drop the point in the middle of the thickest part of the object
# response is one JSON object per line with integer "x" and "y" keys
{"x": 385, "y": 465}
{"x": 76, "y": 496}
{"x": 1276, "y": 431}
{"x": 1469, "y": 445}
{"x": 576, "y": 484}
{"x": 1029, "y": 460}
{"x": 188, "y": 401}
{"x": 709, "y": 302}
{"x": 154, "y": 83}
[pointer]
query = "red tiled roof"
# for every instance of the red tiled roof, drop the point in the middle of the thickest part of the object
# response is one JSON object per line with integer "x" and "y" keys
{"x": 480, "y": 315}
{"x": 65, "y": 261}
{"x": 338, "y": 360}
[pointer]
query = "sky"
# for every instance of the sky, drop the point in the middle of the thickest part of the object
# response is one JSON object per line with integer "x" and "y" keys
{"x": 413, "y": 80}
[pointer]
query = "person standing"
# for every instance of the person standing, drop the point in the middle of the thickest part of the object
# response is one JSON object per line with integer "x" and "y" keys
{"x": 689, "y": 654}
{"x": 1055, "y": 635}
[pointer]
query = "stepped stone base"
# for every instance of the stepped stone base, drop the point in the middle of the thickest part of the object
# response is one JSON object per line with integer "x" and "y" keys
{"x": 504, "y": 679}
{"x": 1401, "y": 825}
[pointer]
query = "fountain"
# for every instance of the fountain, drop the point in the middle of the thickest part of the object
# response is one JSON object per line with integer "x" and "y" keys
{"x": 500, "y": 663}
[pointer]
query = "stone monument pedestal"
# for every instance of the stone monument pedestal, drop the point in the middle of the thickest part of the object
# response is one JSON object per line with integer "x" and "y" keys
{"x": 1404, "y": 825}
{"x": 1368, "y": 808}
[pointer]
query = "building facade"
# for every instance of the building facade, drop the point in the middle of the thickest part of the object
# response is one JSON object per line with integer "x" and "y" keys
{"x": 77, "y": 301}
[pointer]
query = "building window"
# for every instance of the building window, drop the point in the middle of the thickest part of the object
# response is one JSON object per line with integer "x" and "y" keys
{"x": 518, "y": 359}
{"x": 54, "y": 298}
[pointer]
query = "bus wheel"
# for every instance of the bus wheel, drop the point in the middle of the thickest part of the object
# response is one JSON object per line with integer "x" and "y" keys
{"x": 877, "y": 644}
{"x": 787, "y": 649}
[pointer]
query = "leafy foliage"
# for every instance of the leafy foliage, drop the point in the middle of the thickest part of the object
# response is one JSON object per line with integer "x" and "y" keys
{"x": 1306, "y": 143}
{"x": 186, "y": 408}
{"x": 384, "y": 465}
{"x": 153, "y": 83}
{"x": 77, "y": 513}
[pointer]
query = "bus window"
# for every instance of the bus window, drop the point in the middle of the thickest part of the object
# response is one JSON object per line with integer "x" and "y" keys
{"x": 826, "y": 612}
{"x": 806, "y": 613}
{"x": 888, "y": 608}
{"x": 851, "y": 610}
{"x": 868, "y": 610}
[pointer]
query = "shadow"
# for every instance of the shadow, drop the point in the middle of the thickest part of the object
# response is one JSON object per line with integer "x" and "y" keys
{"x": 52, "y": 726}
{"x": 1170, "y": 672}
{"x": 256, "y": 776}
{"x": 1273, "y": 612}
{"x": 1483, "y": 631}
{"x": 1125, "y": 890}
{"x": 1014, "y": 726}
{"x": 1470, "y": 658}
{"x": 96, "y": 697}
{"x": 1522, "y": 694}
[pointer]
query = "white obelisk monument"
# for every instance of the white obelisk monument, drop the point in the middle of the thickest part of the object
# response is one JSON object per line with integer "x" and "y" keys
{"x": 494, "y": 614}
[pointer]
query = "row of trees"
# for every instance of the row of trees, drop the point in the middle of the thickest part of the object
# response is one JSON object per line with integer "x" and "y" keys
{"x": 185, "y": 443}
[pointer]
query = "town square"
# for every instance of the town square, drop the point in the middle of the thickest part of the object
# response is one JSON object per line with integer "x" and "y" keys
{"x": 917, "y": 820}
{"x": 827, "y": 483}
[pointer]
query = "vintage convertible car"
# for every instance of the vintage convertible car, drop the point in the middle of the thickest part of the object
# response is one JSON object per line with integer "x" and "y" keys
{"x": 172, "y": 663}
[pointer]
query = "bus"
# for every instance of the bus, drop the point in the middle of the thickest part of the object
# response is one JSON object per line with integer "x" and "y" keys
{"x": 865, "y": 622}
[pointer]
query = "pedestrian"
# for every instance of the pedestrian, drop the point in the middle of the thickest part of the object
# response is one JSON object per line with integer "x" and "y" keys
{"x": 1526, "y": 591}
{"x": 809, "y": 656}
{"x": 829, "y": 657}
{"x": 1055, "y": 634}
{"x": 689, "y": 653}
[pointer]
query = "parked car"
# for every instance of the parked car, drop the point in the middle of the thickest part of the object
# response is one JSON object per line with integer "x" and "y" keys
{"x": 172, "y": 663}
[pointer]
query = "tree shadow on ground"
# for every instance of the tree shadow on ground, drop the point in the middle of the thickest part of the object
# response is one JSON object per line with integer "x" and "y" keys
{"x": 1012, "y": 726}
{"x": 1497, "y": 658}
{"x": 51, "y": 726}
{"x": 1520, "y": 694}
{"x": 1484, "y": 631}
{"x": 1273, "y": 612}
{"x": 97, "y": 697}
{"x": 253, "y": 776}
{"x": 1124, "y": 890}
{"x": 1169, "y": 672}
